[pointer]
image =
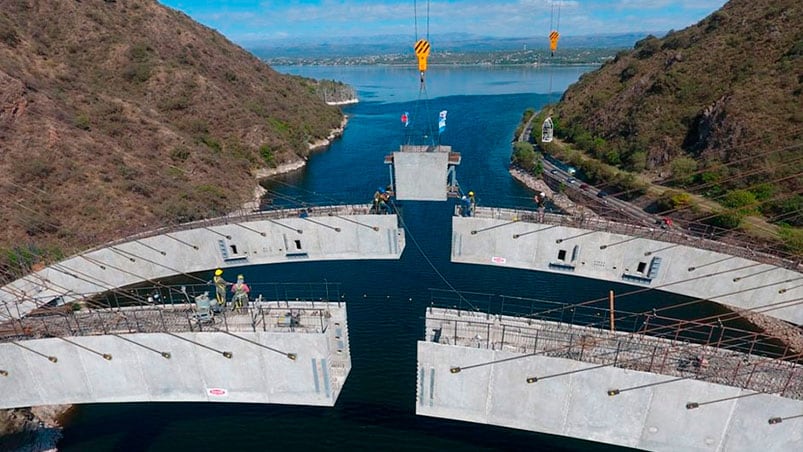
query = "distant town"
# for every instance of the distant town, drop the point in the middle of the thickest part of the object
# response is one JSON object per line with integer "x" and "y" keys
{"x": 578, "y": 56}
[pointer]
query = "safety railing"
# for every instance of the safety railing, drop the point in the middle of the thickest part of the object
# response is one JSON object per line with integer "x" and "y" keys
{"x": 256, "y": 316}
{"x": 597, "y": 346}
{"x": 171, "y": 308}
{"x": 719, "y": 240}
{"x": 178, "y": 294}
{"x": 716, "y": 332}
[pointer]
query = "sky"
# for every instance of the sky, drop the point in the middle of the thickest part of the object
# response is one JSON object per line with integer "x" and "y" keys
{"x": 250, "y": 21}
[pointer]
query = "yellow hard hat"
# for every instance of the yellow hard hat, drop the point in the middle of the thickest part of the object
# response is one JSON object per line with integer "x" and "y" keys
{"x": 240, "y": 277}
{"x": 218, "y": 272}
{"x": 471, "y": 193}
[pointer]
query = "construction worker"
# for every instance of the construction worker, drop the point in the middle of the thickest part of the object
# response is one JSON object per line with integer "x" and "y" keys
{"x": 472, "y": 203}
{"x": 384, "y": 201}
{"x": 465, "y": 206}
{"x": 381, "y": 199}
{"x": 240, "y": 290}
{"x": 220, "y": 287}
{"x": 377, "y": 200}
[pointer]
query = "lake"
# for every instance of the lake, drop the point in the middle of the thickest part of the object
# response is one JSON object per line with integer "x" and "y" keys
{"x": 386, "y": 300}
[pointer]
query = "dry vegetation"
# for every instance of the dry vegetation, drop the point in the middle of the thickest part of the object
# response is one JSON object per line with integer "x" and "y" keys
{"x": 121, "y": 116}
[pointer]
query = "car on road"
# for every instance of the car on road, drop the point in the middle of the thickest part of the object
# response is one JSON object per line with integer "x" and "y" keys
{"x": 584, "y": 187}
{"x": 554, "y": 171}
{"x": 571, "y": 180}
{"x": 602, "y": 194}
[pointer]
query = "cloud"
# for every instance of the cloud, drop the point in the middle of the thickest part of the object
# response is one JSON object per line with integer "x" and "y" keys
{"x": 520, "y": 18}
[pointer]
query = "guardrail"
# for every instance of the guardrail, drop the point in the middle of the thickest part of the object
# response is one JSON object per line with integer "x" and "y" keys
{"x": 145, "y": 302}
{"x": 616, "y": 349}
{"x": 735, "y": 246}
{"x": 714, "y": 333}
{"x": 266, "y": 316}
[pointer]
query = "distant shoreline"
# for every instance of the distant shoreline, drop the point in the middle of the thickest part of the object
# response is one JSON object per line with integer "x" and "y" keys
{"x": 344, "y": 102}
{"x": 494, "y": 65}
{"x": 294, "y": 165}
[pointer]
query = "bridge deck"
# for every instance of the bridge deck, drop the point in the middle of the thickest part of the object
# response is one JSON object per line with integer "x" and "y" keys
{"x": 735, "y": 246}
{"x": 623, "y": 350}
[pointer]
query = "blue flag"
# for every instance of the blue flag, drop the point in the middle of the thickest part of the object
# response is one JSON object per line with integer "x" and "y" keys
{"x": 442, "y": 121}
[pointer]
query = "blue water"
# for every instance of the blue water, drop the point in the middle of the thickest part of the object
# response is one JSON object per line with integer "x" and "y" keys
{"x": 386, "y": 300}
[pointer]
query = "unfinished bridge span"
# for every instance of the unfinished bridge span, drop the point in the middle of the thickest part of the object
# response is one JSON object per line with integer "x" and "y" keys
{"x": 281, "y": 347}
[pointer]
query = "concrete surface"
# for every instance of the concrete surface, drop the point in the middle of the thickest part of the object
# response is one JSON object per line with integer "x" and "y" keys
{"x": 577, "y": 404}
{"x": 684, "y": 269}
{"x": 193, "y": 373}
{"x": 337, "y": 233}
{"x": 420, "y": 176}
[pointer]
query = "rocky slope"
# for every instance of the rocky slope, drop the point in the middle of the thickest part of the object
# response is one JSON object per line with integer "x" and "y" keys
{"x": 116, "y": 116}
{"x": 719, "y": 92}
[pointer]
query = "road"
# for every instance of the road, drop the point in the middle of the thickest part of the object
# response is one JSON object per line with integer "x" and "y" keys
{"x": 588, "y": 195}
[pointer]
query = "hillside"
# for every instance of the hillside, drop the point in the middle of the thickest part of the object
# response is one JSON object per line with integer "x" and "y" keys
{"x": 714, "y": 108}
{"x": 118, "y": 116}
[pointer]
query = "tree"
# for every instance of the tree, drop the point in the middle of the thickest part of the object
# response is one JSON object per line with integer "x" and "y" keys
{"x": 742, "y": 200}
{"x": 683, "y": 169}
{"x": 725, "y": 220}
{"x": 524, "y": 155}
{"x": 538, "y": 167}
{"x": 637, "y": 161}
{"x": 673, "y": 199}
{"x": 792, "y": 239}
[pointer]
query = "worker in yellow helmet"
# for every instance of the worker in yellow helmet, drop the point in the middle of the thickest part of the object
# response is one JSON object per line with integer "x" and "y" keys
{"x": 472, "y": 203}
{"x": 220, "y": 287}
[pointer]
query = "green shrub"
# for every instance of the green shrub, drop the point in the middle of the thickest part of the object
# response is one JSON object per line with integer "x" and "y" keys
{"x": 179, "y": 154}
{"x": 786, "y": 210}
{"x": 612, "y": 157}
{"x": 268, "y": 155}
{"x": 742, "y": 200}
{"x": 211, "y": 143}
{"x": 647, "y": 47}
{"x": 628, "y": 72}
{"x": 763, "y": 191}
{"x": 9, "y": 37}
{"x": 524, "y": 155}
{"x": 140, "y": 52}
{"x": 137, "y": 72}
{"x": 82, "y": 122}
{"x": 673, "y": 199}
{"x": 792, "y": 239}
{"x": 725, "y": 219}
{"x": 637, "y": 161}
{"x": 683, "y": 169}
{"x": 177, "y": 103}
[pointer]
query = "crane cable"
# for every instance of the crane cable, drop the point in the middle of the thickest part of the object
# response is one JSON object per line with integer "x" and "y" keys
{"x": 422, "y": 49}
{"x": 547, "y": 129}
